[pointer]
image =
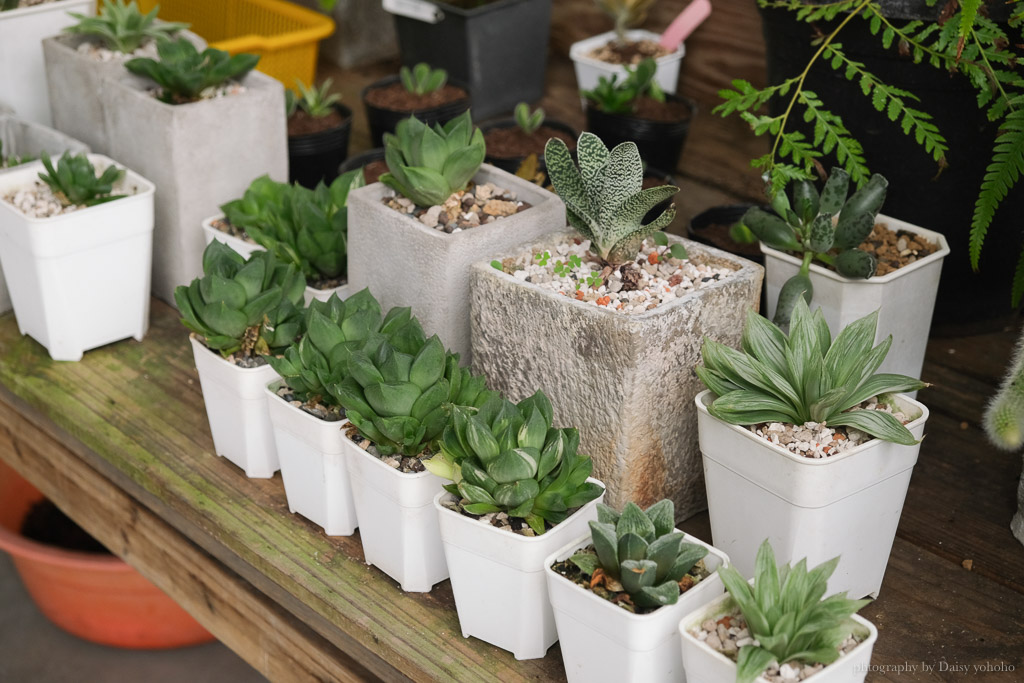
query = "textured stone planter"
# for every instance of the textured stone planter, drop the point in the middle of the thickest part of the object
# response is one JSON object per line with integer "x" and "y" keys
{"x": 405, "y": 263}
{"x": 200, "y": 155}
{"x": 626, "y": 381}
{"x": 1017, "y": 523}
{"x": 73, "y": 81}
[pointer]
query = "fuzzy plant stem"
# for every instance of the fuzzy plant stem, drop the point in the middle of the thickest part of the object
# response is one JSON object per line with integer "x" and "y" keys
{"x": 1004, "y": 418}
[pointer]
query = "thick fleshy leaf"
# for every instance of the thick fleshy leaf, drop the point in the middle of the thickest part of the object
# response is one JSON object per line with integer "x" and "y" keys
{"x": 689, "y": 554}
{"x": 634, "y": 521}
{"x": 587, "y": 562}
{"x": 637, "y": 574}
{"x": 662, "y": 551}
{"x": 512, "y": 465}
{"x": 663, "y": 516}
{"x": 475, "y": 494}
{"x": 606, "y": 545}
{"x": 428, "y": 365}
{"x": 765, "y": 342}
{"x": 480, "y": 439}
{"x": 665, "y": 593}
{"x": 751, "y": 663}
{"x": 516, "y": 493}
{"x": 390, "y": 399}
{"x": 747, "y": 407}
{"x": 607, "y": 515}
{"x": 631, "y": 547}
{"x": 833, "y": 195}
{"x": 877, "y": 423}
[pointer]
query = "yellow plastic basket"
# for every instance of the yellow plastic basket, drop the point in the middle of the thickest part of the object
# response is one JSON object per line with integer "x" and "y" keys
{"x": 283, "y": 34}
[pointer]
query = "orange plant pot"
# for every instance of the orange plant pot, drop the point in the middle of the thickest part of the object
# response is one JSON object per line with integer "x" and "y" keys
{"x": 96, "y": 597}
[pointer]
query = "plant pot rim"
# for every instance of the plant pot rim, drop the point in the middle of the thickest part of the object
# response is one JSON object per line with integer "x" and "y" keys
{"x": 725, "y": 603}
{"x": 715, "y": 254}
{"x": 194, "y": 338}
{"x": 584, "y": 539}
{"x": 271, "y": 390}
{"x": 140, "y": 87}
{"x": 518, "y": 538}
{"x": 346, "y": 122}
{"x": 893, "y": 223}
{"x": 691, "y": 104}
{"x": 208, "y": 223}
{"x": 146, "y": 190}
{"x": 369, "y": 156}
{"x": 19, "y": 546}
{"x": 395, "y": 78}
{"x": 577, "y": 51}
{"x": 377, "y": 462}
{"x": 703, "y": 398}
{"x": 39, "y": 9}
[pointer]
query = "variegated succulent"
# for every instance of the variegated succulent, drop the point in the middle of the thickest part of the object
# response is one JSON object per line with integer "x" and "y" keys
{"x": 604, "y": 197}
{"x": 507, "y": 457}
{"x": 250, "y": 307}
{"x": 641, "y": 550}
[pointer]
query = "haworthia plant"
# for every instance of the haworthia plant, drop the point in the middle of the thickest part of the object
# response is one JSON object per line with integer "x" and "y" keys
{"x": 75, "y": 181}
{"x": 122, "y": 27}
{"x": 604, "y": 196}
{"x": 183, "y": 73}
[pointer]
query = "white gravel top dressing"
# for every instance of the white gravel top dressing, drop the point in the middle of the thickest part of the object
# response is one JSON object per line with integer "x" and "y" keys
{"x": 39, "y": 201}
{"x": 212, "y": 93}
{"x": 100, "y": 53}
{"x": 653, "y": 278}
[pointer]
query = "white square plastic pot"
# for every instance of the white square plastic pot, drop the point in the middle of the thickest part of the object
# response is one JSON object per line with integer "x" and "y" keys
{"x": 79, "y": 280}
{"x": 704, "y": 665}
{"x": 398, "y": 527}
{"x": 343, "y": 291}
{"x": 23, "y": 86}
{"x": 847, "y": 505}
{"x": 590, "y": 70}
{"x": 312, "y": 455}
{"x": 603, "y": 643}
{"x": 904, "y": 298}
{"x": 498, "y": 578}
{"x": 236, "y": 407}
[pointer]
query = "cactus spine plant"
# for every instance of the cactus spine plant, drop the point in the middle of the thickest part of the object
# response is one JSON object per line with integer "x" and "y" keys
{"x": 604, "y": 196}
{"x": 1004, "y": 417}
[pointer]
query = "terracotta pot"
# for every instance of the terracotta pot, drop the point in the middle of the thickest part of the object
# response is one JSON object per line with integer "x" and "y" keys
{"x": 96, "y": 597}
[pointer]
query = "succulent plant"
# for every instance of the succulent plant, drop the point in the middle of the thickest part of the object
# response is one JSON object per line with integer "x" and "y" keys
{"x": 427, "y": 164}
{"x": 626, "y": 13}
{"x": 75, "y": 182}
{"x": 183, "y": 73}
{"x": 421, "y": 79}
{"x": 604, "y": 197}
{"x": 243, "y": 306}
{"x": 317, "y": 102}
{"x": 805, "y": 376}
{"x": 1004, "y": 417}
{"x": 121, "y": 27}
{"x": 258, "y": 206}
{"x": 809, "y": 227}
{"x": 615, "y": 97}
{"x": 528, "y": 121}
{"x": 507, "y": 457}
{"x": 641, "y": 550}
{"x": 786, "y": 615}
{"x": 12, "y": 160}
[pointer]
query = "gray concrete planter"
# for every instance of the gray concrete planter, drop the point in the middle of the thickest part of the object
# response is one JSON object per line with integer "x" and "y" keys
{"x": 74, "y": 81}
{"x": 405, "y": 263}
{"x": 24, "y": 138}
{"x": 625, "y": 381}
{"x": 1017, "y": 523}
{"x": 199, "y": 155}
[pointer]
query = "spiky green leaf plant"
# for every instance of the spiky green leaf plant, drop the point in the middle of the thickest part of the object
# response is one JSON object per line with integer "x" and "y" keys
{"x": 183, "y": 73}
{"x": 615, "y": 97}
{"x": 641, "y": 550}
{"x": 786, "y": 615}
{"x": 427, "y": 164}
{"x": 75, "y": 181}
{"x": 528, "y": 121}
{"x": 604, "y": 196}
{"x": 805, "y": 376}
{"x": 121, "y": 27}
{"x": 507, "y": 457}
{"x": 12, "y": 160}
{"x": 421, "y": 79}
{"x": 243, "y": 306}
{"x": 317, "y": 102}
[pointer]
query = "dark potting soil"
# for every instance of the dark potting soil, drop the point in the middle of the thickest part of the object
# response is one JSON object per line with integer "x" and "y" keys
{"x": 406, "y": 464}
{"x": 628, "y": 52}
{"x": 718, "y": 235}
{"x": 328, "y": 283}
{"x": 396, "y": 98}
{"x": 45, "y": 523}
{"x": 302, "y": 123}
{"x": 510, "y": 143}
{"x": 374, "y": 170}
{"x": 668, "y": 112}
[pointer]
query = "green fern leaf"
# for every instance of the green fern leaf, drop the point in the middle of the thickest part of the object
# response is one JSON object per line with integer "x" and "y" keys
{"x": 1002, "y": 174}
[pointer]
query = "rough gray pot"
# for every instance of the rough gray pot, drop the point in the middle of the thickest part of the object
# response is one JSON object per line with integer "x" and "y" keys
{"x": 625, "y": 381}
{"x": 199, "y": 155}
{"x": 74, "y": 80}
{"x": 24, "y": 138}
{"x": 405, "y": 263}
{"x": 1017, "y": 523}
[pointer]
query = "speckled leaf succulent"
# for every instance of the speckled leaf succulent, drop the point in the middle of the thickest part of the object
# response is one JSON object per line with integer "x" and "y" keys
{"x": 604, "y": 197}
{"x": 786, "y": 615}
{"x": 427, "y": 164}
{"x": 641, "y": 550}
{"x": 809, "y": 227}
{"x": 243, "y": 306}
{"x": 75, "y": 182}
{"x": 122, "y": 27}
{"x": 183, "y": 73}
{"x": 507, "y": 457}
{"x": 806, "y": 376}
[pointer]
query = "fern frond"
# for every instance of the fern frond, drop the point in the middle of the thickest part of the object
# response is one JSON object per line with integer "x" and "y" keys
{"x": 831, "y": 134}
{"x": 1002, "y": 174}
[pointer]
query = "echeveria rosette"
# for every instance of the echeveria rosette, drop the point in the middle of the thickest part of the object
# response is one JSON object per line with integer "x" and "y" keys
{"x": 507, "y": 457}
{"x": 604, "y": 196}
{"x": 262, "y": 201}
{"x": 642, "y": 551}
{"x": 428, "y": 164}
{"x": 247, "y": 306}
{"x": 805, "y": 376}
{"x": 786, "y": 615}
{"x": 183, "y": 73}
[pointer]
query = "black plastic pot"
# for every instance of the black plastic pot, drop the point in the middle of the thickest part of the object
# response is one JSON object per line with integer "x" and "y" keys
{"x": 666, "y": 179}
{"x": 660, "y": 142}
{"x": 384, "y": 120}
{"x": 499, "y": 49}
{"x": 360, "y": 160}
{"x": 511, "y": 164}
{"x": 917, "y": 193}
{"x": 703, "y": 226}
{"x": 315, "y": 157}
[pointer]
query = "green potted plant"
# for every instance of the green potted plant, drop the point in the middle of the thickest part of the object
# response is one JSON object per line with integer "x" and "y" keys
{"x": 778, "y": 624}
{"x": 619, "y": 592}
{"x": 240, "y": 311}
{"x": 615, "y": 289}
{"x": 800, "y": 428}
{"x": 519, "y": 492}
{"x": 1004, "y": 425}
{"x": 318, "y": 130}
{"x": 419, "y": 91}
{"x": 509, "y": 141}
